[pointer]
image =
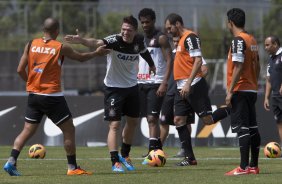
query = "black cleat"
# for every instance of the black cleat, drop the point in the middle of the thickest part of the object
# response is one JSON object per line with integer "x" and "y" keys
{"x": 186, "y": 162}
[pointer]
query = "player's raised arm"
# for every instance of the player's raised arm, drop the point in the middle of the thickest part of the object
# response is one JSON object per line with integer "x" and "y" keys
{"x": 88, "y": 42}
{"x": 72, "y": 54}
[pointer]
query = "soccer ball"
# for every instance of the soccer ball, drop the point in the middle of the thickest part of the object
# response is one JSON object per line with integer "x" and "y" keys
{"x": 156, "y": 158}
{"x": 37, "y": 151}
{"x": 272, "y": 150}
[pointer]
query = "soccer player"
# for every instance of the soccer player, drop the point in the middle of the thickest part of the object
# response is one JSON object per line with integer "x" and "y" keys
{"x": 192, "y": 94}
{"x": 43, "y": 58}
{"x": 167, "y": 107}
{"x": 121, "y": 89}
{"x": 152, "y": 88}
{"x": 242, "y": 84}
{"x": 274, "y": 80}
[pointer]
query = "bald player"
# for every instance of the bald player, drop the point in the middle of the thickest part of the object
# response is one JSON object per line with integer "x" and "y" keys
{"x": 43, "y": 59}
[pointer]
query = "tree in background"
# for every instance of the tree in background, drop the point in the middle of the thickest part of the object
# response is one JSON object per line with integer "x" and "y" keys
{"x": 272, "y": 22}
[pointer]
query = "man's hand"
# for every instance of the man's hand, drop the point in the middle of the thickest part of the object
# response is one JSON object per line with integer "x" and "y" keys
{"x": 73, "y": 39}
{"x": 152, "y": 69}
{"x": 184, "y": 92}
{"x": 162, "y": 89}
{"x": 266, "y": 104}
{"x": 280, "y": 90}
{"x": 101, "y": 51}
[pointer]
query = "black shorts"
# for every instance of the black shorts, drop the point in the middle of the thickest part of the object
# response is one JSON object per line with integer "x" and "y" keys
{"x": 243, "y": 111}
{"x": 197, "y": 101}
{"x": 277, "y": 108}
{"x": 150, "y": 103}
{"x": 54, "y": 107}
{"x": 167, "y": 113}
{"x": 121, "y": 101}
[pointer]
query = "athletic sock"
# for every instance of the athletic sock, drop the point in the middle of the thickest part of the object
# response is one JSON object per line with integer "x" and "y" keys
{"x": 72, "y": 165}
{"x": 114, "y": 157}
{"x": 125, "y": 149}
{"x": 153, "y": 142}
{"x": 244, "y": 143}
{"x": 14, "y": 156}
{"x": 186, "y": 142}
{"x": 159, "y": 144}
{"x": 220, "y": 113}
{"x": 255, "y": 146}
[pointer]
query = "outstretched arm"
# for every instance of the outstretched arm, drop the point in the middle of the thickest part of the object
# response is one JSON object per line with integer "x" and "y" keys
{"x": 73, "y": 54}
{"x": 88, "y": 42}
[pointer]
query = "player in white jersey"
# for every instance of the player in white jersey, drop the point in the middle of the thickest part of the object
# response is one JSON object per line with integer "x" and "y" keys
{"x": 152, "y": 88}
{"x": 121, "y": 89}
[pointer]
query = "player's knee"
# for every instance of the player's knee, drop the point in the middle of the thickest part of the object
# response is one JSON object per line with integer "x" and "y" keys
{"x": 114, "y": 126}
{"x": 29, "y": 129}
{"x": 208, "y": 120}
{"x": 67, "y": 127}
{"x": 179, "y": 121}
{"x": 152, "y": 120}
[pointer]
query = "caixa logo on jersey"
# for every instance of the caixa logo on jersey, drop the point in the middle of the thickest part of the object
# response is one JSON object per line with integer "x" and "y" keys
{"x": 127, "y": 57}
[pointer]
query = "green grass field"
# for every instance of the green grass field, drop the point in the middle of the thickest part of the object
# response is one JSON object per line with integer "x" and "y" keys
{"x": 212, "y": 164}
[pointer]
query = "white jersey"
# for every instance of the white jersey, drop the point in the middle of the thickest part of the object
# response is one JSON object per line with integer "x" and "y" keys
{"x": 122, "y": 61}
{"x": 156, "y": 53}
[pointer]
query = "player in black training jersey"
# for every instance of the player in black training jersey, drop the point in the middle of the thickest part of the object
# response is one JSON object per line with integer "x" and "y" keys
{"x": 121, "y": 89}
{"x": 152, "y": 88}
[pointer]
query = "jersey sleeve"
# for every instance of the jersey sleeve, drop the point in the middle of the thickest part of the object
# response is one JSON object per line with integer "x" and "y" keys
{"x": 141, "y": 42}
{"x": 267, "y": 70}
{"x": 238, "y": 48}
{"x": 192, "y": 44}
{"x": 204, "y": 61}
{"x": 110, "y": 41}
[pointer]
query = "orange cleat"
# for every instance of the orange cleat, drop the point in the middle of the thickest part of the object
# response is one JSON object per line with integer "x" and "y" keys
{"x": 78, "y": 171}
{"x": 254, "y": 170}
{"x": 238, "y": 171}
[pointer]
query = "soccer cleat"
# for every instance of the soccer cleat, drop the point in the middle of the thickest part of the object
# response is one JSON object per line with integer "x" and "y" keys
{"x": 180, "y": 153}
{"x": 146, "y": 160}
{"x": 78, "y": 171}
{"x": 254, "y": 170}
{"x": 238, "y": 171}
{"x": 117, "y": 167}
{"x": 186, "y": 162}
{"x": 11, "y": 169}
{"x": 126, "y": 162}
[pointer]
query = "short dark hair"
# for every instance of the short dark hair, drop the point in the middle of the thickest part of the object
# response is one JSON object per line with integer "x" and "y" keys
{"x": 274, "y": 39}
{"x": 173, "y": 18}
{"x": 237, "y": 16}
{"x": 131, "y": 20}
{"x": 147, "y": 12}
{"x": 51, "y": 25}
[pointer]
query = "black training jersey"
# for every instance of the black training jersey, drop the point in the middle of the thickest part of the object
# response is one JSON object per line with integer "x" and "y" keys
{"x": 155, "y": 50}
{"x": 274, "y": 71}
{"x": 122, "y": 61}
